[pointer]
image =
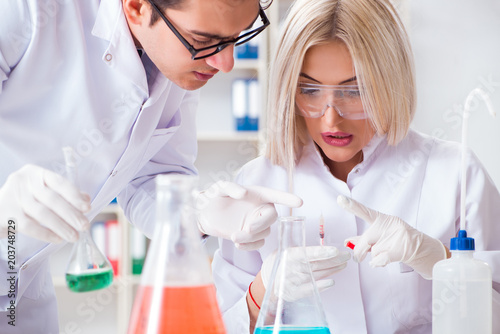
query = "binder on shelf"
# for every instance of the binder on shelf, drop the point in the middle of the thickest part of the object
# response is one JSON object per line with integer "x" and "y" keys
{"x": 249, "y": 50}
{"x": 98, "y": 232}
{"x": 137, "y": 250}
{"x": 239, "y": 97}
{"x": 246, "y": 104}
{"x": 113, "y": 244}
{"x": 253, "y": 104}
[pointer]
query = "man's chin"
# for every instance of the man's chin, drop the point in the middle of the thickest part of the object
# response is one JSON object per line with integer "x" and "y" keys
{"x": 190, "y": 84}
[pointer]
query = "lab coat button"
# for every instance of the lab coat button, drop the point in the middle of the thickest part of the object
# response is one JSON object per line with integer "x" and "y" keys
{"x": 108, "y": 57}
{"x": 24, "y": 266}
{"x": 356, "y": 170}
{"x": 114, "y": 173}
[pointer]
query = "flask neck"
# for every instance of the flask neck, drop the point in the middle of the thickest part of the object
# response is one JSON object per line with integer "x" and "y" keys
{"x": 174, "y": 199}
{"x": 292, "y": 232}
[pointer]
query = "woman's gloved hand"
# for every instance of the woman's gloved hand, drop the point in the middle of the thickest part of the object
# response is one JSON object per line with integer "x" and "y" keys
{"x": 241, "y": 214}
{"x": 321, "y": 261}
{"x": 43, "y": 205}
{"x": 390, "y": 239}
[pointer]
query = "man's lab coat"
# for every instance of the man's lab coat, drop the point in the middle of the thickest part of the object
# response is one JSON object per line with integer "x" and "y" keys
{"x": 70, "y": 75}
{"x": 418, "y": 181}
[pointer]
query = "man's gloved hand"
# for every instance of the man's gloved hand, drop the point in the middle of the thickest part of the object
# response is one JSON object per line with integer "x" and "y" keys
{"x": 323, "y": 261}
{"x": 390, "y": 239}
{"x": 43, "y": 205}
{"x": 241, "y": 214}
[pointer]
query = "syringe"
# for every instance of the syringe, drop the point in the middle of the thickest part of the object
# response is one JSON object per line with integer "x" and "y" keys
{"x": 321, "y": 230}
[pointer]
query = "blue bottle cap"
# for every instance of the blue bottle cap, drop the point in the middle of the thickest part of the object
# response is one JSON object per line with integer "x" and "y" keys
{"x": 461, "y": 242}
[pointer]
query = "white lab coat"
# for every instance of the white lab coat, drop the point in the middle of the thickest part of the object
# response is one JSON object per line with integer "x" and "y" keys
{"x": 70, "y": 74}
{"x": 418, "y": 181}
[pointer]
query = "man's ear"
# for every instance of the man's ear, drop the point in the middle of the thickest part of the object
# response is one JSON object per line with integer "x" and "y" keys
{"x": 137, "y": 12}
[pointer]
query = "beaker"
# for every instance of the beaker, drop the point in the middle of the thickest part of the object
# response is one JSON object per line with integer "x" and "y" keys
{"x": 286, "y": 309}
{"x": 176, "y": 293}
{"x": 88, "y": 269}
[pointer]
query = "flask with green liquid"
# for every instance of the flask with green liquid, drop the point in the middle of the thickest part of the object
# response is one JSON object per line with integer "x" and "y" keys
{"x": 88, "y": 269}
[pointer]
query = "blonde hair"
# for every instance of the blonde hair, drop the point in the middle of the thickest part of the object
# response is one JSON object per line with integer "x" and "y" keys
{"x": 377, "y": 41}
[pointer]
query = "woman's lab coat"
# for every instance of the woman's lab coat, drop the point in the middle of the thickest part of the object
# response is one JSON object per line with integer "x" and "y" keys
{"x": 418, "y": 181}
{"x": 70, "y": 75}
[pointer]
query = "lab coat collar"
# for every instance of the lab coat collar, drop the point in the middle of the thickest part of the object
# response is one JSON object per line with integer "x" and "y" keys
{"x": 370, "y": 150}
{"x": 121, "y": 53}
{"x": 106, "y": 20}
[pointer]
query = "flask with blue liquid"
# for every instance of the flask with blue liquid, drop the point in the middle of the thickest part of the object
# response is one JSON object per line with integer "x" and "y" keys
{"x": 284, "y": 311}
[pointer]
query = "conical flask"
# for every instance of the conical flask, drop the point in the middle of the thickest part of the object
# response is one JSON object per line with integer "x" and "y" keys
{"x": 88, "y": 269}
{"x": 284, "y": 308}
{"x": 176, "y": 294}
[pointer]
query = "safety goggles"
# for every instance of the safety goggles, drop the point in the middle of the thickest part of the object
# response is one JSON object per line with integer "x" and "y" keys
{"x": 313, "y": 100}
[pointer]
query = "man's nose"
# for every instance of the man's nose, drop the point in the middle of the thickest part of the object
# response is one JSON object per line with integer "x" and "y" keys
{"x": 224, "y": 60}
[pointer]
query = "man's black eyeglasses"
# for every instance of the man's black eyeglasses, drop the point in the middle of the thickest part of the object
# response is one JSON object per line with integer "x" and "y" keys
{"x": 213, "y": 49}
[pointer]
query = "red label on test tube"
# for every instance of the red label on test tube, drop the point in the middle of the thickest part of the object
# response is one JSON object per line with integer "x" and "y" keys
{"x": 350, "y": 245}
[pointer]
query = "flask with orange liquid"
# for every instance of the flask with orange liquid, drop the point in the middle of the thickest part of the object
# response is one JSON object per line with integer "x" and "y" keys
{"x": 176, "y": 294}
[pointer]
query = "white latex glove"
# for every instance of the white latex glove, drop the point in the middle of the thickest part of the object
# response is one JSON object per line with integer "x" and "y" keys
{"x": 321, "y": 261}
{"x": 390, "y": 239}
{"x": 43, "y": 205}
{"x": 241, "y": 214}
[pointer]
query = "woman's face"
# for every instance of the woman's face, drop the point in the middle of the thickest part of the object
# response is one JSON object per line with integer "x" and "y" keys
{"x": 339, "y": 139}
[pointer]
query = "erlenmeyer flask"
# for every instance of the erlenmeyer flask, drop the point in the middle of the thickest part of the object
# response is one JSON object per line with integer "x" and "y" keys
{"x": 176, "y": 294}
{"x": 284, "y": 308}
{"x": 88, "y": 269}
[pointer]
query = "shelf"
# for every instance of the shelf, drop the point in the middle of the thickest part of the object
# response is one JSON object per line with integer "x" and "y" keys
{"x": 234, "y": 136}
{"x": 246, "y": 64}
{"x": 60, "y": 281}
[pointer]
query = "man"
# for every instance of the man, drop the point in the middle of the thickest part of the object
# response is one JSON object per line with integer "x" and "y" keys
{"x": 115, "y": 80}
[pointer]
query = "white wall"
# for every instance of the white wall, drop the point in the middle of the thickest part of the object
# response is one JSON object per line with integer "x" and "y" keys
{"x": 457, "y": 48}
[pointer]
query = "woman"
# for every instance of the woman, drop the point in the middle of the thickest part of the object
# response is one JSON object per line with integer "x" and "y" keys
{"x": 342, "y": 97}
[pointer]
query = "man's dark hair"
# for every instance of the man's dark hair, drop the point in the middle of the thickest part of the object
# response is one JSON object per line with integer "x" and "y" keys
{"x": 164, "y": 4}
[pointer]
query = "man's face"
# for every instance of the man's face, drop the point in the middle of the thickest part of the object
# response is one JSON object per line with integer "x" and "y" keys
{"x": 202, "y": 23}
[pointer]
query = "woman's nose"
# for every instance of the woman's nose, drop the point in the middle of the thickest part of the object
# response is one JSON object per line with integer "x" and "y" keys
{"x": 331, "y": 116}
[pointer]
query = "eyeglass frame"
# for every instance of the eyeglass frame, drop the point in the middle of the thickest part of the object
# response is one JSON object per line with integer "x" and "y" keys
{"x": 219, "y": 46}
{"x": 305, "y": 114}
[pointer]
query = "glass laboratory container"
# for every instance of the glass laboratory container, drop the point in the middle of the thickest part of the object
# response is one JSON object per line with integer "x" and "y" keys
{"x": 283, "y": 310}
{"x": 176, "y": 294}
{"x": 88, "y": 269}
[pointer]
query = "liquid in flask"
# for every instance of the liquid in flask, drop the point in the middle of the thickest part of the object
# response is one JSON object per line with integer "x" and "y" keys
{"x": 282, "y": 310}
{"x": 176, "y": 294}
{"x": 88, "y": 269}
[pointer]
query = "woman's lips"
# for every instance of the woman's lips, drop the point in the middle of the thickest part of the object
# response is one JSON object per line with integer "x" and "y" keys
{"x": 203, "y": 76}
{"x": 337, "y": 138}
